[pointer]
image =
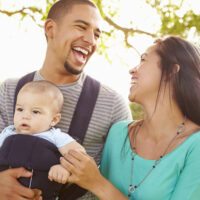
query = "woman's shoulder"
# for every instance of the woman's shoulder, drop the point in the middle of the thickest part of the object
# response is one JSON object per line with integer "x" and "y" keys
{"x": 121, "y": 124}
{"x": 119, "y": 129}
{"x": 194, "y": 140}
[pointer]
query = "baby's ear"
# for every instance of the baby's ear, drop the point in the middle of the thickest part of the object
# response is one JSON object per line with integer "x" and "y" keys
{"x": 56, "y": 119}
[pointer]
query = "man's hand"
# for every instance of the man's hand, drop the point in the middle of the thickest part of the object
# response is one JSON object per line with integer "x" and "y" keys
{"x": 11, "y": 189}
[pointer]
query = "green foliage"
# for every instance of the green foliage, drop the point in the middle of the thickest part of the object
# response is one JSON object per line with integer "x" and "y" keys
{"x": 175, "y": 18}
{"x": 49, "y": 3}
{"x": 137, "y": 111}
{"x": 174, "y": 24}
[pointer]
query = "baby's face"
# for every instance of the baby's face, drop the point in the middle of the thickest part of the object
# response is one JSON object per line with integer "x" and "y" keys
{"x": 33, "y": 113}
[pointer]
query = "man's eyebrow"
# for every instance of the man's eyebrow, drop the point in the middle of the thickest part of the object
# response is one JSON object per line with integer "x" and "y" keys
{"x": 86, "y": 23}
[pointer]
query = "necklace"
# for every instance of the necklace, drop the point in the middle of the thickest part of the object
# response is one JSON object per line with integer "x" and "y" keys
{"x": 132, "y": 187}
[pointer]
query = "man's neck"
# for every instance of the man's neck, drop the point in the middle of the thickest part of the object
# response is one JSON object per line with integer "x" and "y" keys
{"x": 58, "y": 78}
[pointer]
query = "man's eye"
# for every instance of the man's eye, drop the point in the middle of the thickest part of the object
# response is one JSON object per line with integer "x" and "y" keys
{"x": 19, "y": 109}
{"x": 81, "y": 27}
{"x": 36, "y": 112}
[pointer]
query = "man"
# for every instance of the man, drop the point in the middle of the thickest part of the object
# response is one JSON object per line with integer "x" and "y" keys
{"x": 72, "y": 29}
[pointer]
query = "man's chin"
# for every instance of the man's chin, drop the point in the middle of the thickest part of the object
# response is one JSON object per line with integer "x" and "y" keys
{"x": 72, "y": 70}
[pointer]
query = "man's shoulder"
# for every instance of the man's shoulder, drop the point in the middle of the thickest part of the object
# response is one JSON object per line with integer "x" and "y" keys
{"x": 106, "y": 91}
{"x": 109, "y": 92}
{"x": 9, "y": 84}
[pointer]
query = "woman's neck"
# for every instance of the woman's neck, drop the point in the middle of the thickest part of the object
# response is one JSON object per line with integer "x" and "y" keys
{"x": 162, "y": 120}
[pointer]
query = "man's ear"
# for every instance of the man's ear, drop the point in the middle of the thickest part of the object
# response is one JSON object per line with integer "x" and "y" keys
{"x": 56, "y": 119}
{"x": 49, "y": 28}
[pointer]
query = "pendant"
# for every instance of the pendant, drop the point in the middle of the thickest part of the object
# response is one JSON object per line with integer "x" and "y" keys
{"x": 131, "y": 189}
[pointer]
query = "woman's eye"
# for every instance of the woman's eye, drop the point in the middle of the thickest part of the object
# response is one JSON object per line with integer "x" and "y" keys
{"x": 97, "y": 36}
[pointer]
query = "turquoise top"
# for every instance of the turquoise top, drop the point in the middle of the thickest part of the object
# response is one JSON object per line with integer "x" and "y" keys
{"x": 176, "y": 177}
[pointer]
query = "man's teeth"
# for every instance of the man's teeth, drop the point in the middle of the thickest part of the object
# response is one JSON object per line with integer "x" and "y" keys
{"x": 81, "y": 50}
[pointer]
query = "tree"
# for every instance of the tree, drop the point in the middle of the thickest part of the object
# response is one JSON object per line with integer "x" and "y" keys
{"x": 175, "y": 17}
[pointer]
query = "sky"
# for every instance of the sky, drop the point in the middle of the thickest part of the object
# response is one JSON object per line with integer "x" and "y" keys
{"x": 23, "y": 46}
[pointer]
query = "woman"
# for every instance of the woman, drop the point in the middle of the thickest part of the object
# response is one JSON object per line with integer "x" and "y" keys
{"x": 158, "y": 157}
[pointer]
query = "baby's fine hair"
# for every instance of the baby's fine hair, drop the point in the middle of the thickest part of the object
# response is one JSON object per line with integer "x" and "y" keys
{"x": 44, "y": 87}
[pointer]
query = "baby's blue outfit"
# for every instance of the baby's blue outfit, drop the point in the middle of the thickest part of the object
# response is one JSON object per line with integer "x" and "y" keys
{"x": 54, "y": 135}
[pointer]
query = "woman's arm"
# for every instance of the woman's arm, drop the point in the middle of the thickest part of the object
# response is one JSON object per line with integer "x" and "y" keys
{"x": 85, "y": 173}
{"x": 188, "y": 183}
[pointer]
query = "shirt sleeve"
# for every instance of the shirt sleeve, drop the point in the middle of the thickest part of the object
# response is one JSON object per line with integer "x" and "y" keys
{"x": 188, "y": 184}
{"x": 61, "y": 139}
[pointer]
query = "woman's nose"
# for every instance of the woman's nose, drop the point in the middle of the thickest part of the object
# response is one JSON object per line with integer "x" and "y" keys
{"x": 133, "y": 70}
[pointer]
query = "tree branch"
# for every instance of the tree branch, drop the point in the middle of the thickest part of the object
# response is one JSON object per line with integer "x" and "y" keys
{"x": 127, "y": 30}
{"x": 24, "y": 12}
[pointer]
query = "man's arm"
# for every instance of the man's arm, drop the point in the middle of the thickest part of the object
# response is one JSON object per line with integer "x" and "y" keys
{"x": 3, "y": 113}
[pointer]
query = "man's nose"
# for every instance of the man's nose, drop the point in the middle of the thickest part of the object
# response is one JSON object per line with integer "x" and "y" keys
{"x": 89, "y": 37}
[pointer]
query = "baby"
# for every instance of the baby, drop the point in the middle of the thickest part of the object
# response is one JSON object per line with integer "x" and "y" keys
{"x": 37, "y": 111}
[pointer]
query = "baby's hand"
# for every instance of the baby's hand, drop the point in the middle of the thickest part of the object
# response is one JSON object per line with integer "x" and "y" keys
{"x": 59, "y": 174}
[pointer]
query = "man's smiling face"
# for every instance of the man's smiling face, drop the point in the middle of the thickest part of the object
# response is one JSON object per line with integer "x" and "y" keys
{"x": 76, "y": 36}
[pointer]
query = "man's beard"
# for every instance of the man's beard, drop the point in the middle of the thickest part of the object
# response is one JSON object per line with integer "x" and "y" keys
{"x": 71, "y": 70}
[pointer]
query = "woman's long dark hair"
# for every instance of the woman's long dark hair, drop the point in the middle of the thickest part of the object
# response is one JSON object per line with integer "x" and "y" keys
{"x": 184, "y": 83}
{"x": 175, "y": 51}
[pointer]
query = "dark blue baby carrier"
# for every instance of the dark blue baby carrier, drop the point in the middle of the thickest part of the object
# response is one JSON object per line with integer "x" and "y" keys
{"x": 38, "y": 155}
{"x": 35, "y": 154}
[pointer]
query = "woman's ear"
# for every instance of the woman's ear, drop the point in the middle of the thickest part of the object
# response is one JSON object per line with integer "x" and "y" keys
{"x": 55, "y": 119}
{"x": 176, "y": 68}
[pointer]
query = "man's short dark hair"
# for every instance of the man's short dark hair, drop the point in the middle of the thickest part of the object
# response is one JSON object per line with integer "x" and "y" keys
{"x": 61, "y": 7}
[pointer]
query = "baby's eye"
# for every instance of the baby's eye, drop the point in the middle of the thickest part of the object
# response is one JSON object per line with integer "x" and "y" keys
{"x": 36, "y": 112}
{"x": 19, "y": 109}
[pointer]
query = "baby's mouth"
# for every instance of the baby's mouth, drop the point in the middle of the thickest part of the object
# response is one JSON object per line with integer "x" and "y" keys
{"x": 25, "y": 126}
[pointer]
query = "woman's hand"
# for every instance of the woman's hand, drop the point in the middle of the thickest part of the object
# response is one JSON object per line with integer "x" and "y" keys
{"x": 83, "y": 169}
{"x": 85, "y": 173}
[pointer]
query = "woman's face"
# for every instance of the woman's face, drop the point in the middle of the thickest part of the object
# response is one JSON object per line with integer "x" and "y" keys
{"x": 145, "y": 77}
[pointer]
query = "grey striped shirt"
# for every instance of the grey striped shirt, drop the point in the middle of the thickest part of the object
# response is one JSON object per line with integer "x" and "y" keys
{"x": 110, "y": 108}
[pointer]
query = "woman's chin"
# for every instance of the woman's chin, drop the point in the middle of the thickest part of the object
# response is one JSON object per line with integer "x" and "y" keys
{"x": 131, "y": 97}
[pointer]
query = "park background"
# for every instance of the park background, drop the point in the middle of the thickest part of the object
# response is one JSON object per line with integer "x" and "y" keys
{"x": 129, "y": 26}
